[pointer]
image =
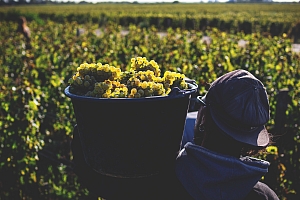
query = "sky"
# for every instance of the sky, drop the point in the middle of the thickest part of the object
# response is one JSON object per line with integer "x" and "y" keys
{"x": 168, "y": 1}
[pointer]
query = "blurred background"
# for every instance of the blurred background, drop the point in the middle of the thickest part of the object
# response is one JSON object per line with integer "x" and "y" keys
{"x": 43, "y": 43}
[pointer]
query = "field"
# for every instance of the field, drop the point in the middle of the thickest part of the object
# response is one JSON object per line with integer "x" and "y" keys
{"x": 273, "y": 18}
{"x": 203, "y": 41}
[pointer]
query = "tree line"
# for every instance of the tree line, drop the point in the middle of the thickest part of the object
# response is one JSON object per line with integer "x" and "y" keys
{"x": 31, "y": 2}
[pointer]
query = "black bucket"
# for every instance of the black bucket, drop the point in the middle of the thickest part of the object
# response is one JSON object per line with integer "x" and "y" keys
{"x": 131, "y": 138}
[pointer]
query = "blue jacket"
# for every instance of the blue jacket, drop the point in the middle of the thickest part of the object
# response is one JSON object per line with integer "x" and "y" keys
{"x": 208, "y": 175}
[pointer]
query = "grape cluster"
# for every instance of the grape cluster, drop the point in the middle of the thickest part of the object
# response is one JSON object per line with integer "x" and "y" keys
{"x": 142, "y": 64}
{"x": 144, "y": 84}
{"x": 174, "y": 79}
{"x": 142, "y": 80}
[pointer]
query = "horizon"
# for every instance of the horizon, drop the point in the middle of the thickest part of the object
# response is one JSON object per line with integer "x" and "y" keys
{"x": 167, "y": 1}
{"x": 157, "y": 1}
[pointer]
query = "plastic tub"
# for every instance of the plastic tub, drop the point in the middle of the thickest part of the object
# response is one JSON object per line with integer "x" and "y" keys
{"x": 131, "y": 138}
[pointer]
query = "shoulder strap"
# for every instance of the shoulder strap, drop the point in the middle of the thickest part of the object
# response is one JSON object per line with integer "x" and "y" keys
{"x": 261, "y": 192}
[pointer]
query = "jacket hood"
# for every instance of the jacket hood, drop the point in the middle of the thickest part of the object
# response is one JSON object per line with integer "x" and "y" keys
{"x": 207, "y": 175}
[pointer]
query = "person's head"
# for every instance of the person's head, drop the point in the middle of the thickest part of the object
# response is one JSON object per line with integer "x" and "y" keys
{"x": 233, "y": 114}
{"x": 22, "y": 21}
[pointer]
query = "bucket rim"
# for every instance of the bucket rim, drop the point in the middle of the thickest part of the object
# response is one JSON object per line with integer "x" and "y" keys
{"x": 178, "y": 94}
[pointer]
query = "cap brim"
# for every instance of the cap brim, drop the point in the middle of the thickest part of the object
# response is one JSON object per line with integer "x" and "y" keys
{"x": 257, "y": 136}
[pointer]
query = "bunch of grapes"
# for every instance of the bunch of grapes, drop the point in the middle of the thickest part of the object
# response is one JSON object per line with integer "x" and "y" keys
{"x": 142, "y": 64}
{"x": 174, "y": 79}
{"x": 142, "y": 80}
{"x": 108, "y": 89}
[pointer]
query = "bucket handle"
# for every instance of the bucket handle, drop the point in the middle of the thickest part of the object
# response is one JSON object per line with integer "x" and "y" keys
{"x": 178, "y": 92}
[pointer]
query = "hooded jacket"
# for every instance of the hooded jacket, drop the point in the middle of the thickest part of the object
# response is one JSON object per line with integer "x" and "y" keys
{"x": 208, "y": 175}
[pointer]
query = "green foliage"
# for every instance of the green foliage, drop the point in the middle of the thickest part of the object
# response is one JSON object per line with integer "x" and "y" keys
{"x": 37, "y": 119}
{"x": 272, "y": 18}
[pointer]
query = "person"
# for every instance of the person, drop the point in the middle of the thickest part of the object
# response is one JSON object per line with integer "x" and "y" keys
{"x": 24, "y": 30}
{"x": 229, "y": 128}
{"x": 216, "y": 165}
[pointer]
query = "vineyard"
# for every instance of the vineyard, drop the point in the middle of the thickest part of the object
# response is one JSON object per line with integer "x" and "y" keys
{"x": 202, "y": 41}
